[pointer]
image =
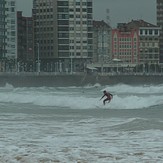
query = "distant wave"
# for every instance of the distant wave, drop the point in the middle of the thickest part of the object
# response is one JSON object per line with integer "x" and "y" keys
{"x": 83, "y": 98}
{"x": 137, "y": 124}
{"x": 148, "y": 89}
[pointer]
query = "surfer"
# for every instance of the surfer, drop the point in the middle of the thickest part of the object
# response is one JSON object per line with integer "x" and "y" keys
{"x": 108, "y": 95}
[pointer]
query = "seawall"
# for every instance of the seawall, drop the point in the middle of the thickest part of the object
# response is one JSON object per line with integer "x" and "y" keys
{"x": 77, "y": 80}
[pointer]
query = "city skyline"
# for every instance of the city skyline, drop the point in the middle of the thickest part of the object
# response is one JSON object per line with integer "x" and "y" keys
{"x": 61, "y": 32}
{"x": 119, "y": 11}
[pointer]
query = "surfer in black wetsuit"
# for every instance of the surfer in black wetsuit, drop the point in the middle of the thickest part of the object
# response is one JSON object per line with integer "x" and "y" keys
{"x": 108, "y": 95}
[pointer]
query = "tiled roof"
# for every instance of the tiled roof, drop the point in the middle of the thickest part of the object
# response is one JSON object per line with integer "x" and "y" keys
{"x": 100, "y": 24}
{"x": 139, "y": 23}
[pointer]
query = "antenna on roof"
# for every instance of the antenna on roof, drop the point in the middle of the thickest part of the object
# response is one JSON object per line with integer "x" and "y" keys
{"x": 108, "y": 16}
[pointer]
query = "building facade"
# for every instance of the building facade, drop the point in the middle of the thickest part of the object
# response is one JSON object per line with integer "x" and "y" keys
{"x": 125, "y": 44}
{"x": 149, "y": 45}
{"x": 8, "y": 34}
{"x": 25, "y": 40}
{"x": 11, "y": 29}
{"x": 101, "y": 42}
{"x": 2, "y": 29}
{"x": 149, "y": 34}
{"x": 160, "y": 24}
{"x": 136, "y": 42}
{"x": 63, "y": 32}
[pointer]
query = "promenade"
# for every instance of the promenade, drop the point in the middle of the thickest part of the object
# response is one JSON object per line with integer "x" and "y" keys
{"x": 63, "y": 80}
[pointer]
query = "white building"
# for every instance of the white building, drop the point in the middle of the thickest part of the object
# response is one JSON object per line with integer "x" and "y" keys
{"x": 8, "y": 29}
{"x": 11, "y": 29}
{"x": 63, "y": 31}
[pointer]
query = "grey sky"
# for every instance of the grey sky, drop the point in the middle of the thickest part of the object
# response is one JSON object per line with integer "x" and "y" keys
{"x": 120, "y": 10}
{"x": 125, "y": 10}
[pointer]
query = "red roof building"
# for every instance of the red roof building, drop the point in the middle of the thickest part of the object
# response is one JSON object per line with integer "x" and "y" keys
{"x": 136, "y": 42}
{"x": 125, "y": 45}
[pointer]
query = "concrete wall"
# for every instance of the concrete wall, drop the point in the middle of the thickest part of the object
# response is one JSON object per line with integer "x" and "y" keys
{"x": 76, "y": 80}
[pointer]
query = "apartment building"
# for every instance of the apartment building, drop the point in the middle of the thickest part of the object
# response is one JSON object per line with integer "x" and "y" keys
{"x": 160, "y": 24}
{"x": 11, "y": 29}
{"x": 148, "y": 41}
{"x": 136, "y": 42}
{"x": 101, "y": 42}
{"x": 125, "y": 44}
{"x": 63, "y": 32}
{"x": 24, "y": 38}
{"x": 2, "y": 29}
{"x": 8, "y": 32}
{"x": 8, "y": 35}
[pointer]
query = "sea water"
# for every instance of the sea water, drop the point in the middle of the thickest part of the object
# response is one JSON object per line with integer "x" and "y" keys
{"x": 71, "y": 124}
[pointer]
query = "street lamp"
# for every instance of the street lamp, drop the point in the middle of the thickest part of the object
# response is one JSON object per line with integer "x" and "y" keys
{"x": 71, "y": 64}
{"x": 38, "y": 58}
{"x": 102, "y": 49}
{"x": 117, "y": 61}
{"x": 18, "y": 66}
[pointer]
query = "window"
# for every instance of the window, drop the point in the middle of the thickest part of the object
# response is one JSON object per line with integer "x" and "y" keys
{"x": 77, "y": 3}
{"x": 89, "y": 4}
{"x": 64, "y": 3}
{"x": 156, "y": 32}
{"x": 63, "y": 10}
{"x": 12, "y": 33}
{"x": 12, "y": 9}
{"x": 12, "y": 3}
{"x": 141, "y": 32}
{"x": 150, "y": 31}
{"x": 146, "y": 32}
{"x": 89, "y": 10}
{"x": 71, "y": 16}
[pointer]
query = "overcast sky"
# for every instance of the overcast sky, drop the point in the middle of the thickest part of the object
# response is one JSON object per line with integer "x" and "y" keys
{"x": 121, "y": 11}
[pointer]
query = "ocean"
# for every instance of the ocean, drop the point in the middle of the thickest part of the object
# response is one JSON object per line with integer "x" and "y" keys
{"x": 71, "y": 124}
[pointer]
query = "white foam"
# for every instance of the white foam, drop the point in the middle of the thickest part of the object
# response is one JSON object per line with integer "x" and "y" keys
{"x": 60, "y": 137}
{"x": 123, "y": 88}
{"x": 75, "y": 141}
{"x": 125, "y": 97}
